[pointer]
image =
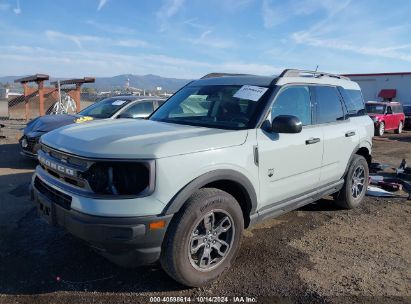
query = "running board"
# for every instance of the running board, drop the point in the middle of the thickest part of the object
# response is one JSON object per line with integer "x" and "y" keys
{"x": 285, "y": 206}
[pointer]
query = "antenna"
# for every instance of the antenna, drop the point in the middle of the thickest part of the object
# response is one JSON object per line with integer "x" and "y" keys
{"x": 316, "y": 69}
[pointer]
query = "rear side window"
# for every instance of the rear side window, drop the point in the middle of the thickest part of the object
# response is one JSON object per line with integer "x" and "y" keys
{"x": 353, "y": 101}
{"x": 329, "y": 107}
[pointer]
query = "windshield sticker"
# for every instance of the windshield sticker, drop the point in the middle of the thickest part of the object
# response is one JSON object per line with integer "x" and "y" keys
{"x": 118, "y": 102}
{"x": 250, "y": 92}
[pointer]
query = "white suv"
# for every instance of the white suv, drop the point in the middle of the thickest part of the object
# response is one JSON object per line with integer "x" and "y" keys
{"x": 220, "y": 155}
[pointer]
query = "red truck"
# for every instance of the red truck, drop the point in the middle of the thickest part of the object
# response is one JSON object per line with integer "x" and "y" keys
{"x": 386, "y": 116}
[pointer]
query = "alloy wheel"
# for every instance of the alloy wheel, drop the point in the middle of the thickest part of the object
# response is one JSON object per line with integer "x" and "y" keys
{"x": 358, "y": 181}
{"x": 211, "y": 240}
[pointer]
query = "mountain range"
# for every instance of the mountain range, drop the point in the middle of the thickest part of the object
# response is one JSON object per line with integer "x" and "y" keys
{"x": 148, "y": 82}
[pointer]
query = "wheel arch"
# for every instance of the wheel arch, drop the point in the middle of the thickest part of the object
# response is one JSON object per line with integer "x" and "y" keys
{"x": 230, "y": 181}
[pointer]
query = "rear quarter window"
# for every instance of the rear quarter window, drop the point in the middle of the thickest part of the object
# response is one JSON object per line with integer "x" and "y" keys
{"x": 354, "y": 102}
{"x": 329, "y": 106}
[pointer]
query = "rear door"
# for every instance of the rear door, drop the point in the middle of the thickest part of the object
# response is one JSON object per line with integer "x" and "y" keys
{"x": 340, "y": 133}
{"x": 389, "y": 118}
{"x": 290, "y": 164}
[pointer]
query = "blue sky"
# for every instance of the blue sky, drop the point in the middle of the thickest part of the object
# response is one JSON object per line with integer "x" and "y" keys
{"x": 188, "y": 38}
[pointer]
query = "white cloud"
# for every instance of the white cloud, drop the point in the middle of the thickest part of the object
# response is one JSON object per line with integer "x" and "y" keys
{"x": 276, "y": 13}
{"x": 208, "y": 40}
{"x": 17, "y": 9}
{"x": 341, "y": 45}
{"x": 77, "y": 39}
{"x": 169, "y": 8}
{"x": 101, "y": 3}
{"x": 111, "y": 28}
{"x": 80, "y": 39}
{"x": 26, "y": 59}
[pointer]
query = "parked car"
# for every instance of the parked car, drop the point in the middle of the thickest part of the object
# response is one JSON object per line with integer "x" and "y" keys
{"x": 386, "y": 116}
{"x": 113, "y": 107}
{"x": 221, "y": 155}
{"x": 407, "y": 113}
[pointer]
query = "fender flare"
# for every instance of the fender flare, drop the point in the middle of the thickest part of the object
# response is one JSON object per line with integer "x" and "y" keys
{"x": 213, "y": 176}
{"x": 358, "y": 147}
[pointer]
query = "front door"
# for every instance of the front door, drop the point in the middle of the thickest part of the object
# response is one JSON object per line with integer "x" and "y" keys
{"x": 290, "y": 164}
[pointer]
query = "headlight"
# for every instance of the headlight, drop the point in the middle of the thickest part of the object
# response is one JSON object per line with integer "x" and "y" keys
{"x": 121, "y": 178}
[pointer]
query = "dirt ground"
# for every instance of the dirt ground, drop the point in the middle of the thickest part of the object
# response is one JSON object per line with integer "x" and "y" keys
{"x": 318, "y": 254}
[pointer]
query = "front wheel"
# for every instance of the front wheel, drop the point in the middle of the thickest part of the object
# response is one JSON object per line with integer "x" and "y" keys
{"x": 355, "y": 185}
{"x": 399, "y": 130}
{"x": 203, "y": 238}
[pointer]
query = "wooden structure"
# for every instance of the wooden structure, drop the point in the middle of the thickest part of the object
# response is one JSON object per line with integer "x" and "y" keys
{"x": 31, "y": 93}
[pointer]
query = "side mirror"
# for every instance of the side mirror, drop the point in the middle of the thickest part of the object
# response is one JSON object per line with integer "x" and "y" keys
{"x": 286, "y": 124}
{"x": 125, "y": 115}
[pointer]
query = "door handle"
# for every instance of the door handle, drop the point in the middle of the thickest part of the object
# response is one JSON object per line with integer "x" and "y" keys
{"x": 312, "y": 140}
{"x": 350, "y": 133}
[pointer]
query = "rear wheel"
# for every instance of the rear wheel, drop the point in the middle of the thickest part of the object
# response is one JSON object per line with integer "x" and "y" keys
{"x": 203, "y": 238}
{"x": 379, "y": 131}
{"x": 399, "y": 130}
{"x": 355, "y": 184}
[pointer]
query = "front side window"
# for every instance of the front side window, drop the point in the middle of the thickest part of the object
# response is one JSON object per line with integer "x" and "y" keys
{"x": 214, "y": 106}
{"x": 329, "y": 107}
{"x": 140, "y": 109}
{"x": 293, "y": 100}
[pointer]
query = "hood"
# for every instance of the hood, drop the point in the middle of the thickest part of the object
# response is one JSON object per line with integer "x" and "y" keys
{"x": 129, "y": 138}
{"x": 48, "y": 123}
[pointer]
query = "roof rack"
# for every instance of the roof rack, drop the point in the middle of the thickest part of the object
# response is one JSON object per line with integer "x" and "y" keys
{"x": 300, "y": 73}
{"x": 213, "y": 75}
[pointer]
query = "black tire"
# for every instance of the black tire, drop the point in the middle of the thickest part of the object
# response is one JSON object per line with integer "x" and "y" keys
{"x": 380, "y": 130}
{"x": 400, "y": 126}
{"x": 176, "y": 257}
{"x": 346, "y": 198}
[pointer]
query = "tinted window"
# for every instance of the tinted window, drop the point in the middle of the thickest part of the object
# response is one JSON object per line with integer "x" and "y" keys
{"x": 397, "y": 109}
{"x": 353, "y": 101}
{"x": 375, "y": 108}
{"x": 329, "y": 108}
{"x": 294, "y": 100}
{"x": 140, "y": 109}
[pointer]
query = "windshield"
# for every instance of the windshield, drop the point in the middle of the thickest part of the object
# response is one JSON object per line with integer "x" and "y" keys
{"x": 214, "y": 106}
{"x": 407, "y": 109}
{"x": 375, "y": 108}
{"x": 105, "y": 108}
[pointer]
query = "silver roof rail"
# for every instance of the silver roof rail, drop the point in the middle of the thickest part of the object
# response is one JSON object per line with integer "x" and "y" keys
{"x": 216, "y": 74}
{"x": 300, "y": 73}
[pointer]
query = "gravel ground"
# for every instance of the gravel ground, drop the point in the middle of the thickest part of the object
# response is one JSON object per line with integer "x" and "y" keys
{"x": 318, "y": 253}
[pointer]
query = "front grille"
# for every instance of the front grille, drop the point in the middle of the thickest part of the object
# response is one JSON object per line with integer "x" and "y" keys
{"x": 52, "y": 194}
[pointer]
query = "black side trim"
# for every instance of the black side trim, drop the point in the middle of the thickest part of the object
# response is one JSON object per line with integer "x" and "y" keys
{"x": 295, "y": 202}
{"x": 218, "y": 175}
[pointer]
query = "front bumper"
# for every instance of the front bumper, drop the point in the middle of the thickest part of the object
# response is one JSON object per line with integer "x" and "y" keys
{"x": 126, "y": 241}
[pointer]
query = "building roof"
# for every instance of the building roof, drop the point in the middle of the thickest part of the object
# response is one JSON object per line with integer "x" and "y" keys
{"x": 379, "y": 74}
{"x": 36, "y": 77}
